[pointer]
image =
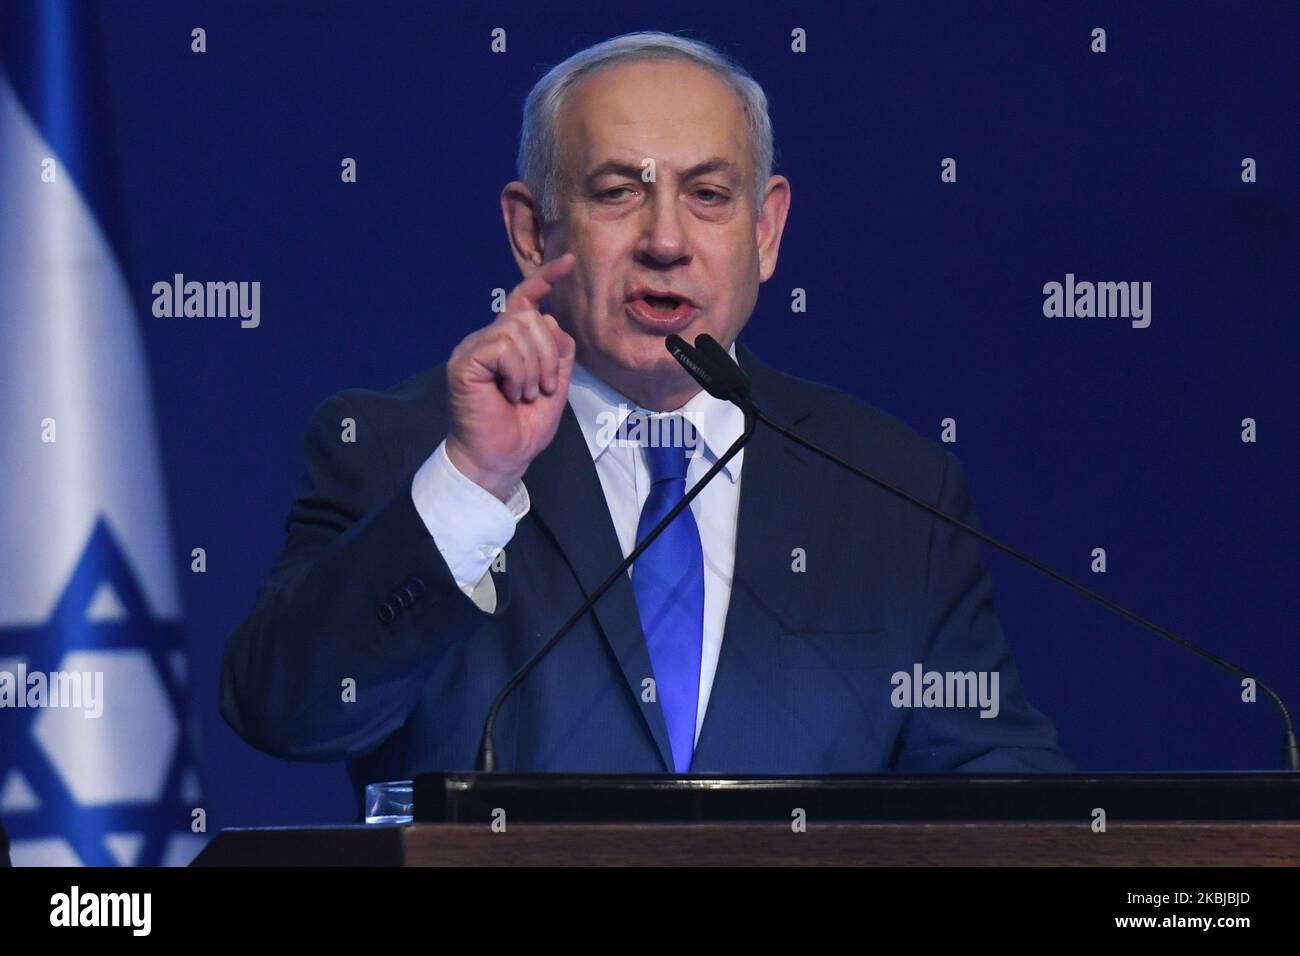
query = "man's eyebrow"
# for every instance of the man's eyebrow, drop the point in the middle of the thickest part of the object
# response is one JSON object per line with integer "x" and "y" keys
{"x": 711, "y": 165}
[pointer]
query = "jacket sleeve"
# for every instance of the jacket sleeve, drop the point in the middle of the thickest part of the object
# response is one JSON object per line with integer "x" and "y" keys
{"x": 963, "y": 636}
{"x": 355, "y": 614}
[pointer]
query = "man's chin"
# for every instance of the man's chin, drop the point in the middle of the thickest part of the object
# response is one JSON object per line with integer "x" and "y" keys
{"x": 651, "y": 360}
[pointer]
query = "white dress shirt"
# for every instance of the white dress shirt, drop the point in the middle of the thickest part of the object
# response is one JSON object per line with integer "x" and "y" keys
{"x": 470, "y": 525}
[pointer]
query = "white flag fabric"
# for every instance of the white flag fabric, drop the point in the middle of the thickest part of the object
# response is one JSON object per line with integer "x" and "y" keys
{"x": 96, "y": 753}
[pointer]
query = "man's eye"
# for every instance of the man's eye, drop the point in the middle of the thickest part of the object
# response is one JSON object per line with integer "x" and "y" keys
{"x": 609, "y": 193}
{"x": 706, "y": 193}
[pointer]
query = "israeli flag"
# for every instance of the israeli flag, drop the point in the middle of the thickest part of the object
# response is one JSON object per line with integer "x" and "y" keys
{"x": 96, "y": 752}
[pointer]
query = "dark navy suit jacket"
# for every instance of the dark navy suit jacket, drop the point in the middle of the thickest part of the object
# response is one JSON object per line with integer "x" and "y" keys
{"x": 803, "y": 683}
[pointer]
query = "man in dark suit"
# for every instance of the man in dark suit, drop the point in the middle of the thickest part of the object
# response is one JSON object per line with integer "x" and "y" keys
{"x": 791, "y": 620}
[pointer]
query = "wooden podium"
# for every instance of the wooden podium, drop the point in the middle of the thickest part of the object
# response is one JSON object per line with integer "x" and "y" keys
{"x": 1248, "y": 819}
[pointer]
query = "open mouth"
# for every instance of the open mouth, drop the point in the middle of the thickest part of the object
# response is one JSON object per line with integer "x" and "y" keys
{"x": 662, "y": 303}
{"x": 663, "y": 313}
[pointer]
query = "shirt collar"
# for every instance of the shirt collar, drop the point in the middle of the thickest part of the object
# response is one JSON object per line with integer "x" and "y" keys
{"x": 601, "y": 410}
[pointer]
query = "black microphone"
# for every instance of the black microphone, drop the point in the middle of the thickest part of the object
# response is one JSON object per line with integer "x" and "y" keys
{"x": 721, "y": 379}
{"x": 487, "y": 758}
{"x": 718, "y": 370}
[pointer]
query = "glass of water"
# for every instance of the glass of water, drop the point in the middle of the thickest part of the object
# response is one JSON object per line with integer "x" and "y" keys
{"x": 391, "y": 802}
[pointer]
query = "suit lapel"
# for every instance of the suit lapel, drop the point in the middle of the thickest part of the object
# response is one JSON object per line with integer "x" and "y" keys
{"x": 773, "y": 480}
{"x": 569, "y": 501}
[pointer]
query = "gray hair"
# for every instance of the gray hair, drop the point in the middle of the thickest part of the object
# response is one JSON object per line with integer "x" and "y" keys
{"x": 539, "y": 154}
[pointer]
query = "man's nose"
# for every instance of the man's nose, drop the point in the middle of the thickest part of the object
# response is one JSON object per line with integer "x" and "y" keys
{"x": 665, "y": 234}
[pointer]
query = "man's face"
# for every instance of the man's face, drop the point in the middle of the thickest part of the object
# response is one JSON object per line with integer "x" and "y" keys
{"x": 693, "y": 232}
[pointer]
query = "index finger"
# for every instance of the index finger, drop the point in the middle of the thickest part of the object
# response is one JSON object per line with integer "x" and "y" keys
{"x": 530, "y": 292}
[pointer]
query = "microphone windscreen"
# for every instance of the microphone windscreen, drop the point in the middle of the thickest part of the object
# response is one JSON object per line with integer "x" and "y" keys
{"x": 700, "y": 370}
{"x": 729, "y": 377}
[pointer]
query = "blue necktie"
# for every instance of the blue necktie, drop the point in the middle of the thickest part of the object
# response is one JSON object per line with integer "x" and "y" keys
{"x": 669, "y": 583}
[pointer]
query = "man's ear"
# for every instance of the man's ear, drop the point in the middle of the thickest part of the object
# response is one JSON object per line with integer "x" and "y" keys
{"x": 523, "y": 221}
{"x": 771, "y": 224}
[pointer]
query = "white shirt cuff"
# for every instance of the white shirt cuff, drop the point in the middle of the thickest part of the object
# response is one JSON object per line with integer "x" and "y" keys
{"x": 469, "y": 524}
